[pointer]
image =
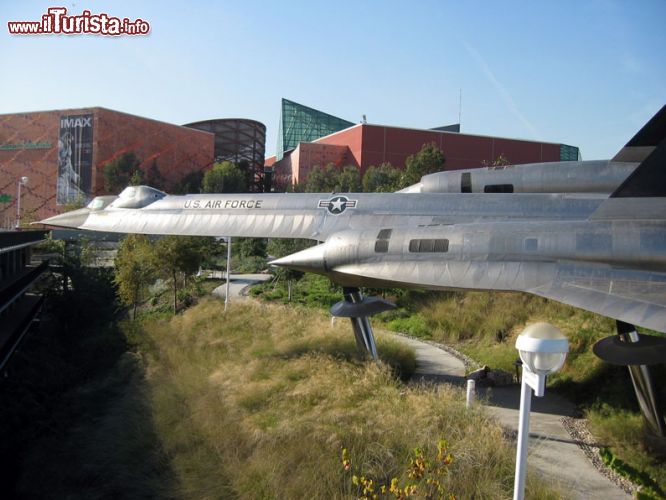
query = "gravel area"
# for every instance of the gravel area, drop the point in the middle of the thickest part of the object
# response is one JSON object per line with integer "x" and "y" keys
{"x": 579, "y": 432}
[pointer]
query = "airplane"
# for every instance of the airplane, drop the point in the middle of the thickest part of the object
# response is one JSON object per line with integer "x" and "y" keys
{"x": 605, "y": 254}
{"x": 595, "y": 176}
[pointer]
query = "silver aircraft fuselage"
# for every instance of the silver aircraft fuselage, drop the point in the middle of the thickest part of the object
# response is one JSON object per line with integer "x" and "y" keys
{"x": 606, "y": 255}
{"x": 312, "y": 215}
{"x": 596, "y": 176}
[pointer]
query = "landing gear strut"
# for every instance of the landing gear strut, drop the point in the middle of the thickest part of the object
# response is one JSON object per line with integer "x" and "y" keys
{"x": 636, "y": 352}
{"x": 358, "y": 309}
{"x": 643, "y": 385}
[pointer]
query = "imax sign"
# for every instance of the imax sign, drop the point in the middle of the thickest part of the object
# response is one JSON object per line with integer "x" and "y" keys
{"x": 79, "y": 121}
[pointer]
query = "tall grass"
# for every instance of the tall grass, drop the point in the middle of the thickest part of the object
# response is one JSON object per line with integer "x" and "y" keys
{"x": 484, "y": 325}
{"x": 260, "y": 402}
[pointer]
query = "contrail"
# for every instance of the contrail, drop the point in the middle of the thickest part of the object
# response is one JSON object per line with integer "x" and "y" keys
{"x": 506, "y": 97}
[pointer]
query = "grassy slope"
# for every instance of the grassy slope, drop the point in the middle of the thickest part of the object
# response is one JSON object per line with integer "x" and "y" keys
{"x": 260, "y": 402}
{"x": 485, "y": 326}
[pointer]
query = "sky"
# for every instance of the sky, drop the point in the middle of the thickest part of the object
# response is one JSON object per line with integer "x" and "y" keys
{"x": 585, "y": 73}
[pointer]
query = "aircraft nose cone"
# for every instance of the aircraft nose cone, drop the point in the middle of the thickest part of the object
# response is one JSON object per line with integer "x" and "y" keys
{"x": 308, "y": 260}
{"x": 74, "y": 219}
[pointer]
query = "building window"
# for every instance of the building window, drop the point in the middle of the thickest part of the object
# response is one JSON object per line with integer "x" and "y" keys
{"x": 498, "y": 188}
{"x": 429, "y": 246}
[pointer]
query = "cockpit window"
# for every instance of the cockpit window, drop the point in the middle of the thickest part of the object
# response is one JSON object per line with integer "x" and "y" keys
{"x": 101, "y": 202}
{"x": 137, "y": 197}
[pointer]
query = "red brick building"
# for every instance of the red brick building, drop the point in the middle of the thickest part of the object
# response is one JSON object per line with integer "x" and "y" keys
{"x": 363, "y": 145}
{"x": 308, "y": 137}
{"x": 63, "y": 154}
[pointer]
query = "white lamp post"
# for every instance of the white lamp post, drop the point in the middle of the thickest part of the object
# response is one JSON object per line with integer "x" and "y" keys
{"x": 226, "y": 295}
{"x": 543, "y": 349}
{"x": 23, "y": 181}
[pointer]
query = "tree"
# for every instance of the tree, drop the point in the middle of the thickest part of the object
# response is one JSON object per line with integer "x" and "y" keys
{"x": 224, "y": 177}
{"x": 136, "y": 179}
{"x": 154, "y": 177}
{"x": 118, "y": 173}
{"x": 178, "y": 256}
{"x": 322, "y": 180}
{"x": 282, "y": 247}
{"x": 382, "y": 179}
{"x": 250, "y": 247}
{"x": 349, "y": 180}
{"x": 134, "y": 269}
{"x": 428, "y": 160}
{"x": 190, "y": 183}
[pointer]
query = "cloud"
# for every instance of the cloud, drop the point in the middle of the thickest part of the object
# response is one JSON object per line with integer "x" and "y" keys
{"x": 503, "y": 93}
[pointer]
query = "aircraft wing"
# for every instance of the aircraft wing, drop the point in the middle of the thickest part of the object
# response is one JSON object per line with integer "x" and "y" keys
{"x": 633, "y": 296}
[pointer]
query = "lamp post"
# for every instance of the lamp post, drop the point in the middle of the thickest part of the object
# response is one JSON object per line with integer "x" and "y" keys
{"x": 226, "y": 295}
{"x": 543, "y": 349}
{"x": 23, "y": 181}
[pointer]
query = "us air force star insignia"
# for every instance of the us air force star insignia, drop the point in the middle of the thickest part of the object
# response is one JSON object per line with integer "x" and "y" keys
{"x": 337, "y": 204}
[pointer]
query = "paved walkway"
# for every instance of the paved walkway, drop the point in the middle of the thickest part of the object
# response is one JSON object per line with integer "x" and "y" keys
{"x": 552, "y": 452}
{"x": 239, "y": 282}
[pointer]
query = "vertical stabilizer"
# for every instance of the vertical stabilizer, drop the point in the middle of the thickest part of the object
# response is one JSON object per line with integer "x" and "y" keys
{"x": 645, "y": 141}
{"x": 649, "y": 178}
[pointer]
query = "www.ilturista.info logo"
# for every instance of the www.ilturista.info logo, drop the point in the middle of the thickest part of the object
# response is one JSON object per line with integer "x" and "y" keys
{"x": 56, "y": 21}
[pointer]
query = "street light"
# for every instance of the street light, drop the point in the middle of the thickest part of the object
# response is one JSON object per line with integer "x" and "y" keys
{"x": 23, "y": 181}
{"x": 543, "y": 349}
{"x": 226, "y": 294}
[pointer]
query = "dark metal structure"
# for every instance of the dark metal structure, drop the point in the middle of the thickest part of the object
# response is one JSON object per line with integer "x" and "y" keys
{"x": 18, "y": 306}
{"x": 240, "y": 141}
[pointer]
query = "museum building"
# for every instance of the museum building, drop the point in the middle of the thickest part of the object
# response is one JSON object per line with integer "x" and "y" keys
{"x": 63, "y": 154}
{"x": 309, "y": 138}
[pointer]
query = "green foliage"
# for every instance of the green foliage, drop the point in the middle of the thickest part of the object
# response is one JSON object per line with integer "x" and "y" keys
{"x": 411, "y": 325}
{"x": 382, "y": 179}
{"x": 137, "y": 178}
{"x": 179, "y": 257}
{"x": 349, "y": 180}
{"x": 249, "y": 247}
{"x": 623, "y": 431}
{"x": 322, "y": 180}
{"x": 428, "y": 160}
{"x": 190, "y": 183}
{"x": 224, "y": 177}
{"x": 310, "y": 290}
{"x": 121, "y": 172}
{"x": 425, "y": 477}
{"x": 135, "y": 269}
{"x": 331, "y": 179}
{"x": 154, "y": 177}
{"x": 650, "y": 490}
{"x": 252, "y": 264}
{"x": 281, "y": 247}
